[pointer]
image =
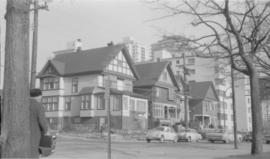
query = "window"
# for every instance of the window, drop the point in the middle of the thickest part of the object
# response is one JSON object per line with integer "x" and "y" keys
{"x": 141, "y": 106}
{"x": 161, "y": 92}
{"x": 49, "y": 70}
{"x": 99, "y": 101}
{"x": 191, "y": 61}
{"x": 248, "y": 100}
{"x": 75, "y": 83}
{"x": 120, "y": 84}
{"x": 115, "y": 101}
{"x": 171, "y": 94}
{"x": 177, "y": 62}
{"x": 85, "y": 102}
{"x": 128, "y": 86}
{"x": 132, "y": 104}
{"x": 50, "y": 83}
{"x": 142, "y": 54}
{"x": 55, "y": 103}
{"x": 125, "y": 103}
{"x": 157, "y": 110}
{"x": 112, "y": 81}
{"x": 157, "y": 92}
{"x": 50, "y": 103}
{"x": 172, "y": 112}
{"x": 222, "y": 116}
{"x": 101, "y": 81}
{"x": 119, "y": 64}
{"x": 67, "y": 103}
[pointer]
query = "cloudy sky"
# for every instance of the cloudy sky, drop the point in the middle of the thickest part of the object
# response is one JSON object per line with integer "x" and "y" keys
{"x": 98, "y": 22}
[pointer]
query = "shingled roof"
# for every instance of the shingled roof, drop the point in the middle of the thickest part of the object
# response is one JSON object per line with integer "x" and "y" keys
{"x": 88, "y": 61}
{"x": 199, "y": 90}
{"x": 150, "y": 72}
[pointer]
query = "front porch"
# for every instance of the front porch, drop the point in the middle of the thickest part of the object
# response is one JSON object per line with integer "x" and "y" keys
{"x": 201, "y": 121}
{"x": 164, "y": 114}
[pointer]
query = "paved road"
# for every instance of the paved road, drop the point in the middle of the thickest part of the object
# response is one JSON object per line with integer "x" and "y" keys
{"x": 74, "y": 147}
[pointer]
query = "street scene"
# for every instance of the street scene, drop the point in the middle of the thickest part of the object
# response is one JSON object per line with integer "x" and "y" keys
{"x": 75, "y": 147}
{"x": 144, "y": 79}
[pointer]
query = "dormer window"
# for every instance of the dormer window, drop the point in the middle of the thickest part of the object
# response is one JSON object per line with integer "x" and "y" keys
{"x": 51, "y": 83}
{"x": 75, "y": 83}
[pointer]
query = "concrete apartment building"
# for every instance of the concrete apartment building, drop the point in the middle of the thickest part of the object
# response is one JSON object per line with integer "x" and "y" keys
{"x": 243, "y": 104}
{"x": 73, "y": 85}
{"x": 265, "y": 101}
{"x": 138, "y": 51}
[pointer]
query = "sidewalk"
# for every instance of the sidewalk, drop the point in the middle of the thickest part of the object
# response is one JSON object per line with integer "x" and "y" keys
{"x": 99, "y": 136}
{"x": 265, "y": 155}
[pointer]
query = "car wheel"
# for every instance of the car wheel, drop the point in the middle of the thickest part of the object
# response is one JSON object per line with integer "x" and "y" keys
{"x": 267, "y": 142}
{"x": 212, "y": 141}
{"x": 148, "y": 140}
{"x": 162, "y": 139}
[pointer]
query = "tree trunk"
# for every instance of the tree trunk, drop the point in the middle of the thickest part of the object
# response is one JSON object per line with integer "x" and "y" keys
{"x": 16, "y": 123}
{"x": 257, "y": 127}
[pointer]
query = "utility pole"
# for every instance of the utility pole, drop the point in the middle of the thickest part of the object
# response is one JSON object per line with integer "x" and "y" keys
{"x": 185, "y": 91}
{"x": 35, "y": 42}
{"x": 15, "y": 120}
{"x": 107, "y": 105}
{"x": 0, "y": 56}
{"x": 234, "y": 110}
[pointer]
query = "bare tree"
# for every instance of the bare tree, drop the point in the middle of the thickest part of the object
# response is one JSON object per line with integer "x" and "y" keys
{"x": 237, "y": 31}
{"x": 15, "y": 119}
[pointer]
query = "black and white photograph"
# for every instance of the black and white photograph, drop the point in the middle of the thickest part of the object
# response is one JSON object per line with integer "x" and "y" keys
{"x": 135, "y": 79}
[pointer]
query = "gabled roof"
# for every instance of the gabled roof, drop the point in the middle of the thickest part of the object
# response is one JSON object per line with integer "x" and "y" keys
{"x": 150, "y": 72}
{"x": 88, "y": 61}
{"x": 199, "y": 90}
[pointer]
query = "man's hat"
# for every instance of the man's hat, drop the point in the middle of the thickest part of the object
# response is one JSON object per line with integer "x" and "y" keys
{"x": 35, "y": 92}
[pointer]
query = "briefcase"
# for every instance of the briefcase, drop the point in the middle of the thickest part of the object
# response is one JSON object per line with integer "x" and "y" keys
{"x": 47, "y": 145}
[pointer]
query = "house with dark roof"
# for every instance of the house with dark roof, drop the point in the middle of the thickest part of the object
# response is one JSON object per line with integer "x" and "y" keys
{"x": 158, "y": 83}
{"x": 73, "y": 85}
{"x": 203, "y": 104}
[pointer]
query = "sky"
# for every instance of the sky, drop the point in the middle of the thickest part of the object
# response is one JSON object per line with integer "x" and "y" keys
{"x": 98, "y": 22}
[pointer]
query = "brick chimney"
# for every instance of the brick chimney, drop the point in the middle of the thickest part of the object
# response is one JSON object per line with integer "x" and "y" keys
{"x": 77, "y": 45}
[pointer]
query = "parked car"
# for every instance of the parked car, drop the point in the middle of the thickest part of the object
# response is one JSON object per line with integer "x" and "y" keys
{"x": 267, "y": 138}
{"x": 162, "y": 133}
{"x": 189, "y": 135}
{"x": 247, "y": 137}
{"x": 223, "y": 135}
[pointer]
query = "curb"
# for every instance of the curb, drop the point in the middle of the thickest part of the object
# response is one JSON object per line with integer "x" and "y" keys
{"x": 104, "y": 138}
